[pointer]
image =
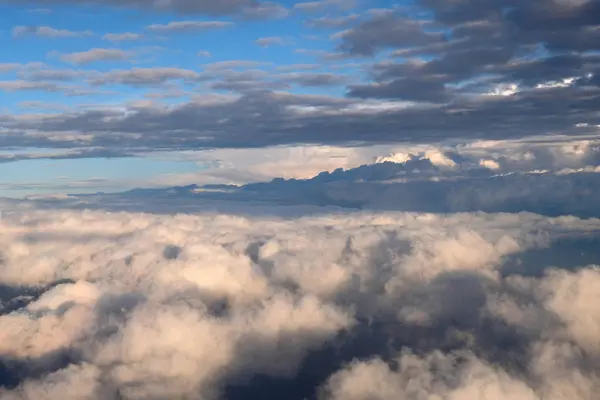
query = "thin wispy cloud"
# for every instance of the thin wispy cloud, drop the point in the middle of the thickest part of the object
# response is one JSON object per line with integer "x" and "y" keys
{"x": 270, "y": 41}
{"x": 95, "y": 55}
{"x": 234, "y": 64}
{"x": 188, "y": 26}
{"x": 145, "y": 76}
{"x": 122, "y": 37}
{"x": 47, "y": 32}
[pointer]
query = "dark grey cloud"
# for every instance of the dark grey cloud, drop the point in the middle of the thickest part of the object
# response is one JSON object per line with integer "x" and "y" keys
{"x": 320, "y": 5}
{"x": 250, "y": 8}
{"x": 313, "y": 79}
{"x": 298, "y": 67}
{"x": 264, "y": 118}
{"x": 472, "y": 47}
{"x": 265, "y": 10}
{"x": 385, "y": 30}
{"x": 245, "y": 86}
{"x": 406, "y": 89}
{"x": 453, "y": 67}
{"x": 418, "y": 185}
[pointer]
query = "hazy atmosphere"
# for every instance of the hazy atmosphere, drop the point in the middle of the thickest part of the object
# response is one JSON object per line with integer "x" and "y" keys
{"x": 319, "y": 200}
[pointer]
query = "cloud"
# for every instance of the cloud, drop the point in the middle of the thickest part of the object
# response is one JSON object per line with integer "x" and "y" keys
{"x": 184, "y": 7}
{"x": 315, "y": 6}
{"x": 234, "y": 64}
{"x": 257, "y": 119}
{"x": 121, "y": 37}
{"x": 41, "y": 105}
{"x": 311, "y": 79}
{"x": 385, "y": 30}
{"x": 8, "y": 67}
{"x": 259, "y": 322}
{"x": 270, "y": 41}
{"x": 145, "y": 76}
{"x": 188, "y": 26}
{"x": 471, "y": 49}
{"x": 204, "y": 53}
{"x": 298, "y": 67}
{"x": 265, "y": 10}
{"x": 95, "y": 55}
{"x": 46, "y": 31}
{"x": 395, "y": 303}
{"x": 552, "y": 177}
{"x": 415, "y": 90}
{"x": 441, "y": 71}
{"x": 40, "y": 11}
{"x": 432, "y": 233}
{"x": 18, "y": 85}
{"x": 62, "y": 75}
{"x": 332, "y": 22}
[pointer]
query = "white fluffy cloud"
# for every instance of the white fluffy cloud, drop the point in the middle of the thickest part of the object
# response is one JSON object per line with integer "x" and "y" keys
{"x": 130, "y": 305}
{"x": 557, "y": 155}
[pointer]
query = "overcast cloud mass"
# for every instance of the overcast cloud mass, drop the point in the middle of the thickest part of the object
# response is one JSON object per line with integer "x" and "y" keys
{"x": 467, "y": 69}
{"x": 318, "y": 200}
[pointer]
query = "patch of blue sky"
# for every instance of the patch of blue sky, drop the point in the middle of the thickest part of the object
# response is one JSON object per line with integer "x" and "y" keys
{"x": 112, "y": 173}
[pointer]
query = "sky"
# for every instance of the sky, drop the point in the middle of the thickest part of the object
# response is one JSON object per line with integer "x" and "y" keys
{"x": 323, "y": 200}
{"x": 95, "y": 94}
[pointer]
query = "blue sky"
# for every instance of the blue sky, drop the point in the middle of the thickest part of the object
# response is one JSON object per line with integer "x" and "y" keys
{"x": 179, "y": 50}
{"x": 88, "y": 27}
{"x": 99, "y": 89}
{"x": 154, "y": 50}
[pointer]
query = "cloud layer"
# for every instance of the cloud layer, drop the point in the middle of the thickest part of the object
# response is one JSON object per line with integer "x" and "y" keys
{"x": 427, "y": 72}
{"x": 339, "y": 306}
{"x": 431, "y": 231}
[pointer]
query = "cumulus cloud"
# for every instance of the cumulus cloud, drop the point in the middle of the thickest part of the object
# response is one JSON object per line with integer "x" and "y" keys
{"x": 332, "y": 22}
{"x": 46, "y": 31}
{"x": 260, "y": 115}
{"x": 121, "y": 37}
{"x": 467, "y": 71}
{"x": 244, "y": 7}
{"x": 61, "y": 75}
{"x": 385, "y": 30}
{"x": 314, "y": 79}
{"x": 18, "y": 85}
{"x": 551, "y": 177}
{"x": 145, "y": 76}
{"x": 312, "y": 256}
{"x": 8, "y": 67}
{"x": 234, "y": 64}
{"x": 270, "y": 41}
{"x": 95, "y": 55}
{"x": 314, "y": 6}
{"x": 103, "y": 305}
{"x": 188, "y": 26}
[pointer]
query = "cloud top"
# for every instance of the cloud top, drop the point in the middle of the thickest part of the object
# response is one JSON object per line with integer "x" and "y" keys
{"x": 104, "y": 305}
